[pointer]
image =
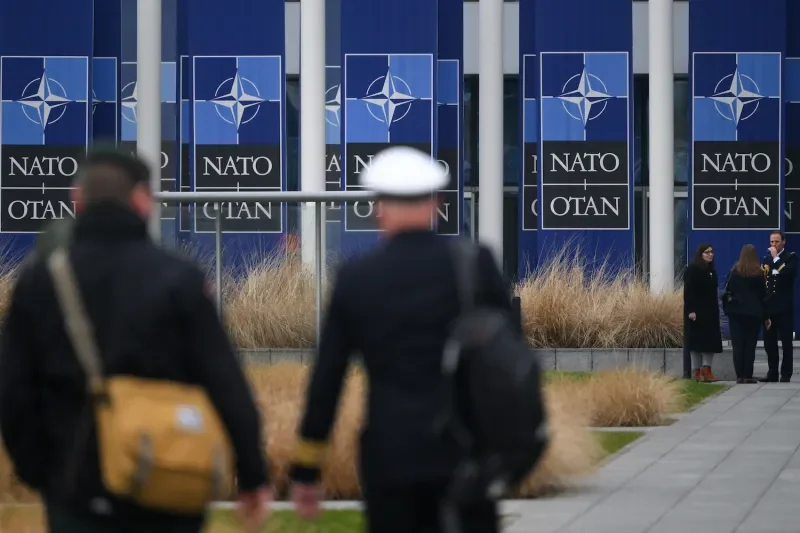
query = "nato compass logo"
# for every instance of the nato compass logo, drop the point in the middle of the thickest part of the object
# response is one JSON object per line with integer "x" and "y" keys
{"x": 238, "y": 134}
{"x": 389, "y": 98}
{"x": 333, "y": 104}
{"x": 104, "y": 98}
{"x": 737, "y": 96}
{"x": 44, "y": 131}
{"x": 584, "y": 96}
{"x": 45, "y": 100}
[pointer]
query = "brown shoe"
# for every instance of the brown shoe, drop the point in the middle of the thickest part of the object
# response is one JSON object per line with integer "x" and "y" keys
{"x": 699, "y": 376}
{"x": 708, "y": 375}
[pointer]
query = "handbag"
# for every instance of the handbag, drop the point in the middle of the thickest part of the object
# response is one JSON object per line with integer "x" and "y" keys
{"x": 727, "y": 297}
{"x": 161, "y": 444}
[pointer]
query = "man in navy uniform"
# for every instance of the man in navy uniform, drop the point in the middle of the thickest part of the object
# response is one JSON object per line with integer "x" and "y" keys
{"x": 394, "y": 306}
{"x": 780, "y": 270}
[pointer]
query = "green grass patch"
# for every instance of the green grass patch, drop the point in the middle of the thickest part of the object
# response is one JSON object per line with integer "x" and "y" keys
{"x": 556, "y": 375}
{"x": 695, "y": 393}
{"x": 288, "y": 522}
{"x": 614, "y": 441}
{"x": 30, "y": 519}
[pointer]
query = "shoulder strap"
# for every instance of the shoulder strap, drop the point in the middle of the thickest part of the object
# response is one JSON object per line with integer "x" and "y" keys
{"x": 465, "y": 262}
{"x": 79, "y": 327}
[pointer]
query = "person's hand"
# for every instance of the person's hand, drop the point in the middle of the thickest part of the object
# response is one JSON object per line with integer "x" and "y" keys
{"x": 306, "y": 498}
{"x": 768, "y": 323}
{"x": 692, "y": 316}
{"x": 254, "y": 508}
{"x": 773, "y": 251}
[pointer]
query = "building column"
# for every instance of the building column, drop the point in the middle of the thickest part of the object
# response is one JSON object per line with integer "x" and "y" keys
{"x": 312, "y": 118}
{"x": 148, "y": 105}
{"x": 661, "y": 144}
{"x": 490, "y": 132}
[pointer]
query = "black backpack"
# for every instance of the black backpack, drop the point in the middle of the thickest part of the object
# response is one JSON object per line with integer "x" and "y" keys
{"x": 492, "y": 404}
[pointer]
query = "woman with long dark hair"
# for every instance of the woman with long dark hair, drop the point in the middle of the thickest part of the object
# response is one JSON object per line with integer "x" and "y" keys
{"x": 701, "y": 311}
{"x": 743, "y": 303}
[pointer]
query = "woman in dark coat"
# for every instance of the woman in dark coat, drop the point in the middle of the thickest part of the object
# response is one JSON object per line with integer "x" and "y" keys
{"x": 701, "y": 311}
{"x": 743, "y": 302}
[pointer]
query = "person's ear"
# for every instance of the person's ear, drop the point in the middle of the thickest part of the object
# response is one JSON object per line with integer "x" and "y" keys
{"x": 142, "y": 200}
{"x": 76, "y": 195}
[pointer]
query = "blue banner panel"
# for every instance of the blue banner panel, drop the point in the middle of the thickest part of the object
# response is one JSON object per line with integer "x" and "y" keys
{"x": 128, "y": 116}
{"x": 528, "y": 204}
{"x": 238, "y": 114}
{"x": 389, "y": 54}
{"x": 791, "y": 98}
{"x": 585, "y": 128}
{"x": 450, "y": 115}
{"x": 735, "y": 197}
{"x": 333, "y": 106}
{"x": 45, "y": 89}
{"x": 105, "y": 71}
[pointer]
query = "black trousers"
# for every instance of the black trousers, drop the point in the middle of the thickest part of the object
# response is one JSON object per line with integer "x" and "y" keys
{"x": 744, "y": 336}
{"x": 782, "y": 328}
{"x": 63, "y": 519}
{"x": 417, "y": 508}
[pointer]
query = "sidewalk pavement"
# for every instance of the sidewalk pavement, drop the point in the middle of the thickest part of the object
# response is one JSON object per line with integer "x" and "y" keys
{"x": 731, "y": 465}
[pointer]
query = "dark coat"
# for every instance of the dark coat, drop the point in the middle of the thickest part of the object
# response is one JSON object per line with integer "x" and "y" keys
{"x": 748, "y": 296}
{"x": 153, "y": 318}
{"x": 780, "y": 272}
{"x": 700, "y": 296}
{"x": 394, "y": 307}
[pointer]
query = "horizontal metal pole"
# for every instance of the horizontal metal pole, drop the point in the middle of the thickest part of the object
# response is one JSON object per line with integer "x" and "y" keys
{"x": 272, "y": 196}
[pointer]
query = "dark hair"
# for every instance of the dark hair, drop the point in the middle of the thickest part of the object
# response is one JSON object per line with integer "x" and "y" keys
{"x": 778, "y": 232}
{"x": 748, "y": 265}
{"x": 110, "y": 174}
{"x": 697, "y": 259}
{"x": 135, "y": 169}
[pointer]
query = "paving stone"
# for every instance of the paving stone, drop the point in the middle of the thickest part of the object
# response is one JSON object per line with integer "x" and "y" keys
{"x": 730, "y": 466}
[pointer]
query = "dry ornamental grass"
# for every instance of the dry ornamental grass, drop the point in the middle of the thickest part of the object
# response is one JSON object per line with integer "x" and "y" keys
{"x": 627, "y": 398}
{"x": 270, "y": 303}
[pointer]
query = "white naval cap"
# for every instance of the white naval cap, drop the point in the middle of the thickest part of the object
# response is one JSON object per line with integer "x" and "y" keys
{"x": 404, "y": 171}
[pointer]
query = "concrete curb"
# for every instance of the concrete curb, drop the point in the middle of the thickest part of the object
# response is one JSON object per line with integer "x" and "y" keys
{"x": 668, "y": 361}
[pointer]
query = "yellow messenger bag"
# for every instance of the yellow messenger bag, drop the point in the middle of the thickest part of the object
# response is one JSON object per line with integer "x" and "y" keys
{"x": 161, "y": 444}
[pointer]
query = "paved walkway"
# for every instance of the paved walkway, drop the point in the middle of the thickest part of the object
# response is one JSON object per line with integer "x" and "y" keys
{"x": 732, "y": 465}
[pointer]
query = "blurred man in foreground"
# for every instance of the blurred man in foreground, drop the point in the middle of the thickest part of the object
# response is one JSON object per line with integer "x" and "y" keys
{"x": 153, "y": 317}
{"x": 395, "y": 306}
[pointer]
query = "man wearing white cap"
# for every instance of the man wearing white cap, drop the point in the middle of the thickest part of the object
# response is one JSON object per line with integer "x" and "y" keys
{"x": 394, "y": 306}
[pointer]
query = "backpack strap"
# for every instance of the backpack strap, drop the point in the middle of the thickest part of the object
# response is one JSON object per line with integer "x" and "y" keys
{"x": 464, "y": 254}
{"x": 79, "y": 328}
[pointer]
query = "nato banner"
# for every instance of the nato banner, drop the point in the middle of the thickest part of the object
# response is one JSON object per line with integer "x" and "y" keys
{"x": 45, "y": 122}
{"x": 105, "y": 71}
{"x": 791, "y": 96}
{"x": 389, "y": 53}
{"x": 333, "y": 111}
{"x": 238, "y": 110}
{"x": 736, "y": 123}
{"x": 584, "y": 54}
{"x": 528, "y": 204}
{"x": 450, "y": 115}
{"x": 128, "y": 116}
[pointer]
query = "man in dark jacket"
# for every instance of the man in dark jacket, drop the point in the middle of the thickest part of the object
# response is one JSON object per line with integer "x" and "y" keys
{"x": 153, "y": 317}
{"x": 780, "y": 271}
{"x": 394, "y": 306}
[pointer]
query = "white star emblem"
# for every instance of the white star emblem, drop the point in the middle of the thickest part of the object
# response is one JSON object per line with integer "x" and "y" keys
{"x": 736, "y": 97}
{"x": 390, "y": 100}
{"x": 237, "y": 101}
{"x": 333, "y": 105}
{"x": 585, "y": 96}
{"x": 95, "y": 101}
{"x": 48, "y": 102}
{"x": 130, "y": 102}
